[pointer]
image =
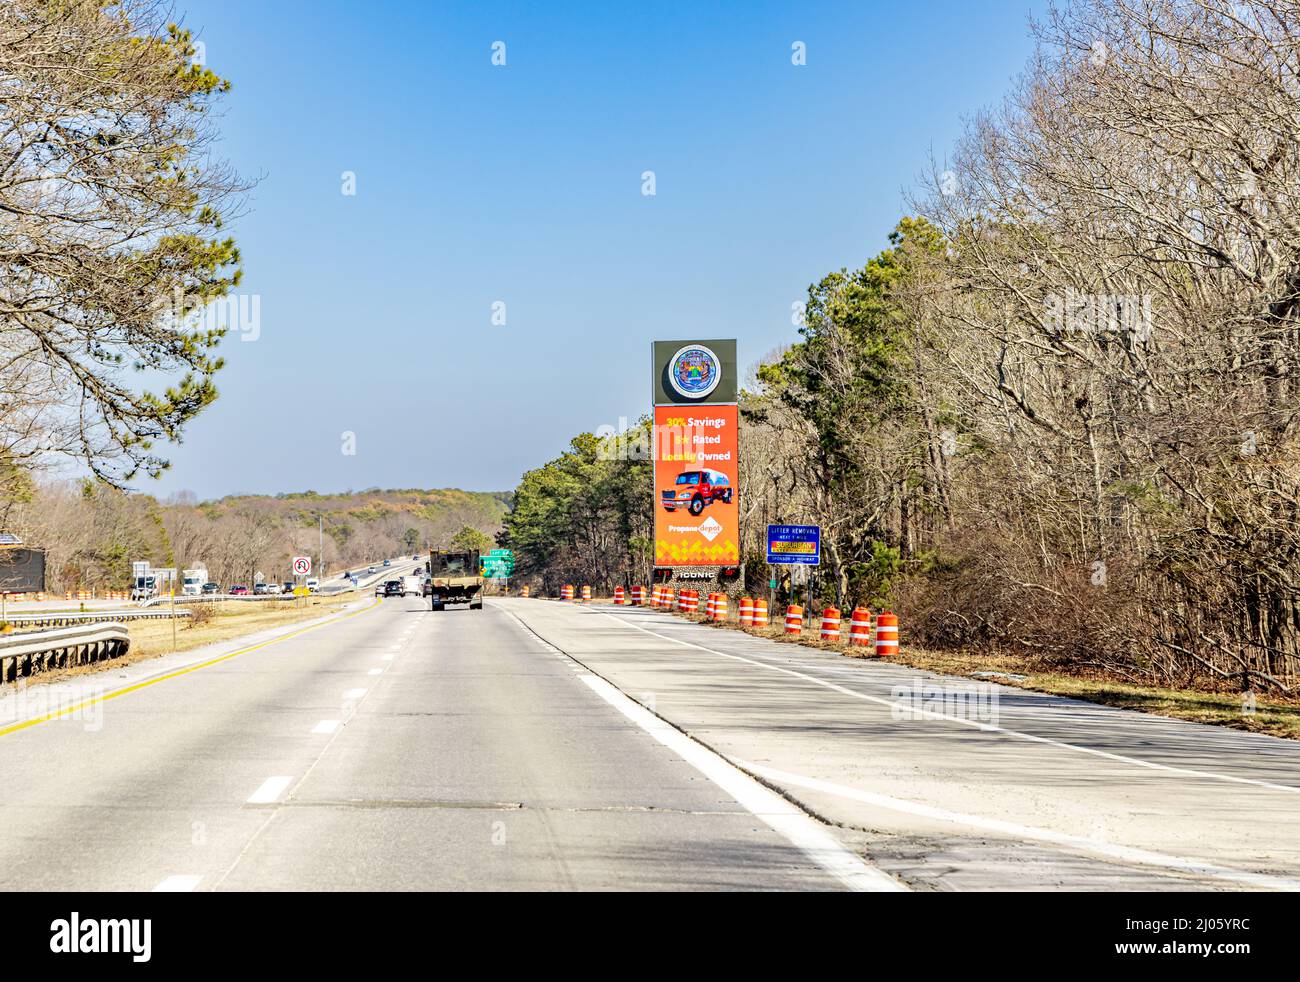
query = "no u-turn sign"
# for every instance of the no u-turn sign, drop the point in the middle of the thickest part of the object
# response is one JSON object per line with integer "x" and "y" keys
{"x": 301, "y": 565}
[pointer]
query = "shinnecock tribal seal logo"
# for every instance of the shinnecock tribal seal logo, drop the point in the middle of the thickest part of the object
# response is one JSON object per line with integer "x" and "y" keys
{"x": 694, "y": 371}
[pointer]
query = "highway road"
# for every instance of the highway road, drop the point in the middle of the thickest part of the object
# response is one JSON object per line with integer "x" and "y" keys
{"x": 390, "y": 749}
{"x": 535, "y": 745}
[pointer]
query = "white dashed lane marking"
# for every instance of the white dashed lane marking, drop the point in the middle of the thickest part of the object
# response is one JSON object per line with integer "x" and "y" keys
{"x": 178, "y": 884}
{"x": 270, "y": 790}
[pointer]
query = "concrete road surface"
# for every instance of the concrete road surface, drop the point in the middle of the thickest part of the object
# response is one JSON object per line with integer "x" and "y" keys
{"x": 388, "y": 749}
{"x": 956, "y": 785}
{"x": 535, "y": 745}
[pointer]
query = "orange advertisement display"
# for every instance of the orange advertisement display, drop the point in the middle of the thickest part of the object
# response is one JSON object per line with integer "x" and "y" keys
{"x": 697, "y": 509}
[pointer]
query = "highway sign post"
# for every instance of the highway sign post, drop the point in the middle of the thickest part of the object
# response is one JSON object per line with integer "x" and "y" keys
{"x": 499, "y": 564}
{"x": 794, "y": 545}
{"x": 301, "y": 567}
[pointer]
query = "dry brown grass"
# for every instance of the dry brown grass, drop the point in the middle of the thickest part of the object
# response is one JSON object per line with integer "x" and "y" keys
{"x": 225, "y": 621}
{"x": 149, "y": 639}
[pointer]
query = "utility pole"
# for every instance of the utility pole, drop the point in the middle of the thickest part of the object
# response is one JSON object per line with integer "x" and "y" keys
{"x": 320, "y": 528}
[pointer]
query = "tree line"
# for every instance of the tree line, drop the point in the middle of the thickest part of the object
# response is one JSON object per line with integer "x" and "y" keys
{"x": 91, "y": 532}
{"x": 1059, "y": 413}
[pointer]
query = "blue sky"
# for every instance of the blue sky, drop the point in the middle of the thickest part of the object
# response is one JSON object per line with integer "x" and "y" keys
{"x": 478, "y": 184}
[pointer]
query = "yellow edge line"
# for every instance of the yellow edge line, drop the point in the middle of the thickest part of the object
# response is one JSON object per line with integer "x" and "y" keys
{"x": 25, "y": 724}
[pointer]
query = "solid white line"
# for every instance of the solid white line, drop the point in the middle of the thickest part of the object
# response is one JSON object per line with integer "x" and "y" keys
{"x": 326, "y": 726}
{"x": 354, "y": 693}
{"x": 1022, "y": 832}
{"x": 801, "y": 830}
{"x": 987, "y": 727}
{"x": 178, "y": 884}
{"x": 270, "y": 790}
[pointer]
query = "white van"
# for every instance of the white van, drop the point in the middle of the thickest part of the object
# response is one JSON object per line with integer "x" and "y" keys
{"x": 413, "y": 586}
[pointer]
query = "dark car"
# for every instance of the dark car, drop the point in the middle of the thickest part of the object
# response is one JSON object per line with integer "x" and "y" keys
{"x": 210, "y": 588}
{"x": 239, "y": 590}
{"x": 694, "y": 490}
{"x": 393, "y": 588}
{"x": 288, "y": 586}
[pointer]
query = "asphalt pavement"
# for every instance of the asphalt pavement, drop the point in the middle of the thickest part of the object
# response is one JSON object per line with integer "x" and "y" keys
{"x": 956, "y": 784}
{"x": 536, "y": 745}
{"x": 390, "y": 748}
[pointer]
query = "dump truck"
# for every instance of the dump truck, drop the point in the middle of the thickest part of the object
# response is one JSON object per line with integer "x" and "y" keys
{"x": 455, "y": 578}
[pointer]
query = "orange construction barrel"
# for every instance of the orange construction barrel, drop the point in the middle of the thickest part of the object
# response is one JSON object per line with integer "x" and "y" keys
{"x": 793, "y": 619}
{"x": 886, "y": 635}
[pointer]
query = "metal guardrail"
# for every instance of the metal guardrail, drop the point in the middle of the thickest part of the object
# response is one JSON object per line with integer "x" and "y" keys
{"x": 22, "y": 655}
{"x": 327, "y": 588}
{"x": 70, "y": 619}
{"x": 210, "y": 598}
